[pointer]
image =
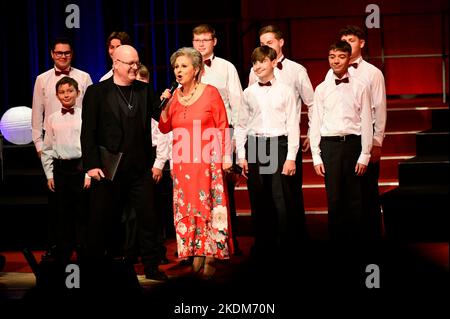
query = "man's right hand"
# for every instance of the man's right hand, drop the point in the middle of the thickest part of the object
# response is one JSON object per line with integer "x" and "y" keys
{"x": 96, "y": 173}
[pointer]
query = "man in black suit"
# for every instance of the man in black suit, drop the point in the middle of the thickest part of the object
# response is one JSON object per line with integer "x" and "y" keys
{"x": 117, "y": 115}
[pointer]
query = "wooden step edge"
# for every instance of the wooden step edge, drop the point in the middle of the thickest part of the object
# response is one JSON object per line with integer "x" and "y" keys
{"x": 382, "y": 183}
{"x": 383, "y": 158}
{"x": 314, "y": 211}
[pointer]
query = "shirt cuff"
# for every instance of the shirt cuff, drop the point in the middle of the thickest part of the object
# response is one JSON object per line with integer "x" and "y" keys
{"x": 241, "y": 154}
{"x": 159, "y": 164}
{"x": 317, "y": 160}
{"x": 291, "y": 156}
{"x": 364, "y": 159}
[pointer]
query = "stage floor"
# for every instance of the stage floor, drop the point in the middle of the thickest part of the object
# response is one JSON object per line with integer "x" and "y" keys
{"x": 318, "y": 272}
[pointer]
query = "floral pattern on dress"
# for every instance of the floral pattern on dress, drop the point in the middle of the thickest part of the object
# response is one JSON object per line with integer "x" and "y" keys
{"x": 199, "y": 196}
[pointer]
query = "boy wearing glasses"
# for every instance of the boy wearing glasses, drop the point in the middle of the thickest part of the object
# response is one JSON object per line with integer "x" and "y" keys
{"x": 45, "y": 101}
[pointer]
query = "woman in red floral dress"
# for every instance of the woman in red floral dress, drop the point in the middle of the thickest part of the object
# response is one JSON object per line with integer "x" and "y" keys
{"x": 197, "y": 118}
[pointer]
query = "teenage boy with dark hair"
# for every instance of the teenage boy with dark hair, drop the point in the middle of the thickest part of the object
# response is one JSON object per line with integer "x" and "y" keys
{"x": 374, "y": 79}
{"x": 267, "y": 142}
{"x": 341, "y": 139}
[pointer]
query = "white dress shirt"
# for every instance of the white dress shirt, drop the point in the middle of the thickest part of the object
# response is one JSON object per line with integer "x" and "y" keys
{"x": 162, "y": 143}
{"x": 296, "y": 76}
{"x": 62, "y": 139}
{"x": 223, "y": 75}
{"x": 269, "y": 111}
{"x": 341, "y": 110}
{"x": 374, "y": 79}
{"x": 45, "y": 101}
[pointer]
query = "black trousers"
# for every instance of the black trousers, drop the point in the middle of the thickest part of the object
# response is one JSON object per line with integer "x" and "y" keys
{"x": 108, "y": 199}
{"x": 273, "y": 196}
{"x": 298, "y": 188}
{"x": 372, "y": 220}
{"x": 344, "y": 188}
{"x": 69, "y": 199}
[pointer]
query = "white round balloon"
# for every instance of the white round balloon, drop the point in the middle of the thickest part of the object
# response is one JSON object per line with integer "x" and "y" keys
{"x": 15, "y": 125}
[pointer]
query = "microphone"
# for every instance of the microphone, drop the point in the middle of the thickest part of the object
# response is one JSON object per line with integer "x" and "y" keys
{"x": 172, "y": 89}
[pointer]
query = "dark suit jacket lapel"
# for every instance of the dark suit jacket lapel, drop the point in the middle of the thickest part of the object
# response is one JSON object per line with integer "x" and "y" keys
{"x": 111, "y": 99}
{"x": 141, "y": 102}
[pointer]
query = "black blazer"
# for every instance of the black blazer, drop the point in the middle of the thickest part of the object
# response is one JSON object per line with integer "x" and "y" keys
{"x": 101, "y": 123}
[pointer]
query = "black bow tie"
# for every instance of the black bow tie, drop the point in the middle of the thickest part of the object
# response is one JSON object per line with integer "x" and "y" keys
{"x": 344, "y": 80}
{"x": 265, "y": 84}
{"x": 355, "y": 65}
{"x": 64, "y": 110}
{"x": 65, "y": 72}
{"x": 208, "y": 62}
{"x": 279, "y": 64}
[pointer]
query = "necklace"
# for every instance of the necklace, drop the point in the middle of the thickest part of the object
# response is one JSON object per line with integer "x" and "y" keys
{"x": 186, "y": 99}
{"x": 123, "y": 96}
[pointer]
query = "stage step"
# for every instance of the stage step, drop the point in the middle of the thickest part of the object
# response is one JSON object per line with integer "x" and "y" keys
{"x": 432, "y": 142}
{"x": 418, "y": 210}
{"x": 314, "y": 196}
{"x": 417, "y": 213}
{"x": 440, "y": 119}
{"x": 424, "y": 170}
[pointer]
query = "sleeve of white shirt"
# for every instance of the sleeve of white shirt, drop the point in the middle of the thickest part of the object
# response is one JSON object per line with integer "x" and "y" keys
{"x": 293, "y": 129}
{"x": 306, "y": 94}
{"x": 162, "y": 146}
{"x": 366, "y": 127}
{"x": 87, "y": 82}
{"x": 242, "y": 128}
{"x": 37, "y": 114}
{"x": 316, "y": 124}
{"x": 48, "y": 154}
{"x": 235, "y": 93}
{"x": 378, "y": 94}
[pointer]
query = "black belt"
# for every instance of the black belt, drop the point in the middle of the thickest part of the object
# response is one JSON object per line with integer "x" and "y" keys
{"x": 342, "y": 138}
{"x": 76, "y": 163}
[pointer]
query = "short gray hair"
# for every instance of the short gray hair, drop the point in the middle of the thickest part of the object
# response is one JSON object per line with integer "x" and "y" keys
{"x": 193, "y": 54}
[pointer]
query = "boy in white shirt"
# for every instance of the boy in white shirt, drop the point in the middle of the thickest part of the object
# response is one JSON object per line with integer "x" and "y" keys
{"x": 341, "y": 140}
{"x": 61, "y": 160}
{"x": 267, "y": 144}
{"x": 374, "y": 79}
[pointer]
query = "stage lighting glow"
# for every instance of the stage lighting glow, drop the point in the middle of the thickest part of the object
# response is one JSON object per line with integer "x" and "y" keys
{"x": 15, "y": 125}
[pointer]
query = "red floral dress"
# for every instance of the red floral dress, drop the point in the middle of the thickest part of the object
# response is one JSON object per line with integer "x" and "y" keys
{"x": 199, "y": 197}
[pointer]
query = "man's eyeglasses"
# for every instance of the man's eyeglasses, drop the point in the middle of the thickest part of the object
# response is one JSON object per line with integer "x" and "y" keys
{"x": 131, "y": 64}
{"x": 59, "y": 54}
{"x": 202, "y": 41}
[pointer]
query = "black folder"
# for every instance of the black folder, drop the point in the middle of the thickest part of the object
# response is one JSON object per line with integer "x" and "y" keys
{"x": 110, "y": 162}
